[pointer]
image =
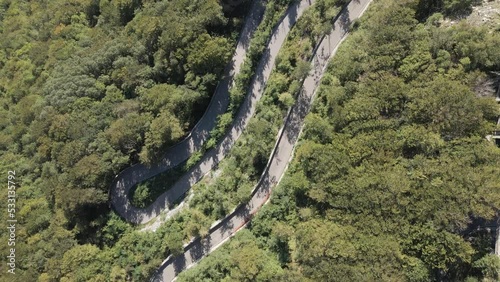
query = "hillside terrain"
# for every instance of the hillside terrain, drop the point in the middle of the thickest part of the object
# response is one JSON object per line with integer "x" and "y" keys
{"x": 392, "y": 178}
{"x": 88, "y": 88}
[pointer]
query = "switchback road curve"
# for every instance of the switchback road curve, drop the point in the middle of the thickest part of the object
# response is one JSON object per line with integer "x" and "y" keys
{"x": 175, "y": 155}
{"x": 280, "y": 157}
{"x": 122, "y": 184}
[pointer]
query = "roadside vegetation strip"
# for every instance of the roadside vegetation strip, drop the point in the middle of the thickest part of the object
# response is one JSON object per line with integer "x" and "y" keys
{"x": 145, "y": 193}
{"x": 222, "y": 230}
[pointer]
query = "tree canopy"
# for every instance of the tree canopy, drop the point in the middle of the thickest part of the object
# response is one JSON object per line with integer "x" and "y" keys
{"x": 87, "y": 88}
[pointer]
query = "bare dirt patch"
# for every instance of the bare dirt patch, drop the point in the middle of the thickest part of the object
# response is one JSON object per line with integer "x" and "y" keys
{"x": 488, "y": 14}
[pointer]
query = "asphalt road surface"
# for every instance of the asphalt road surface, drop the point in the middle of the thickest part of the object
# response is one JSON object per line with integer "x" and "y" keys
{"x": 280, "y": 157}
{"x": 128, "y": 178}
{"x": 180, "y": 152}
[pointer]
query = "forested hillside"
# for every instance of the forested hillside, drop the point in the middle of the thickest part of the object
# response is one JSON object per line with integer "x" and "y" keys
{"x": 87, "y": 88}
{"x": 390, "y": 177}
{"x": 393, "y": 174}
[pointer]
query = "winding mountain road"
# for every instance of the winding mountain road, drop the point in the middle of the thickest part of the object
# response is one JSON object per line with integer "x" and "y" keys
{"x": 280, "y": 156}
{"x": 180, "y": 152}
{"x": 282, "y": 153}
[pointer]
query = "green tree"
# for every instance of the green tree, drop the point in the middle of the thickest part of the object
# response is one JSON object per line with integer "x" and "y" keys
{"x": 164, "y": 131}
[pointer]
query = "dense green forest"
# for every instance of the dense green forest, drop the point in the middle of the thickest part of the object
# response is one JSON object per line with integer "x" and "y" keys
{"x": 392, "y": 169}
{"x": 87, "y": 88}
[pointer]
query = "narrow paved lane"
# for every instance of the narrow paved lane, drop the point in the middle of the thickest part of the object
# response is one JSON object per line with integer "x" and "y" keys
{"x": 129, "y": 177}
{"x": 245, "y": 113}
{"x": 280, "y": 157}
{"x": 199, "y": 134}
